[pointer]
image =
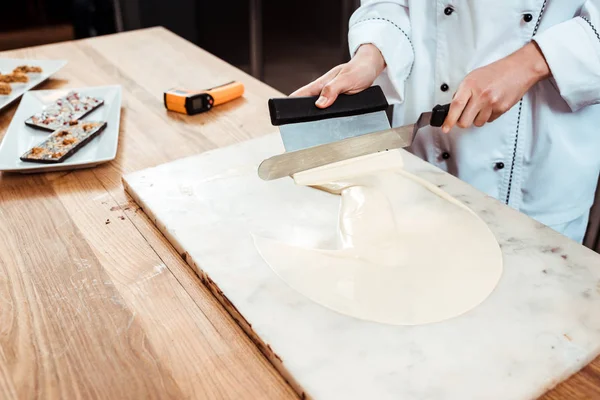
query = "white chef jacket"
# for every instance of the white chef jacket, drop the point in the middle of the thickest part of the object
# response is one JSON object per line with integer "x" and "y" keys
{"x": 543, "y": 156}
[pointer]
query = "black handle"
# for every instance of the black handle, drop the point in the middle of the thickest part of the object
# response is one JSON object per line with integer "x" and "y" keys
{"x": 291, "y": 110}
{"x": 439, "y": 114}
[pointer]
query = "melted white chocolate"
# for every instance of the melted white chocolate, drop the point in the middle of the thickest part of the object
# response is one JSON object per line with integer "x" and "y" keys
{"x": 408, "y": 253}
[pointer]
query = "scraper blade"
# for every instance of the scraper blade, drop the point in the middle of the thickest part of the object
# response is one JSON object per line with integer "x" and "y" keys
{"x": 302, "y": 124}
{"x": 324, "y": 147}
{"x": 302, "y": 135}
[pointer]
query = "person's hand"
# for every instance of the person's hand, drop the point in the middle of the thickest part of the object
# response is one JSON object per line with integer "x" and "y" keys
{"x": 488, "y": 92}
{"x": 350, "y": 78}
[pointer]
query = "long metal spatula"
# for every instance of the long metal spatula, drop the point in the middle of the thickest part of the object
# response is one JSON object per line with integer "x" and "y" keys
{"x": 355, "y": 125}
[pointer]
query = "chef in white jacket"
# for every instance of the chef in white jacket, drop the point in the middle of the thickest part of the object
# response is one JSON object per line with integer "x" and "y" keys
{"x": 523, "y": 78}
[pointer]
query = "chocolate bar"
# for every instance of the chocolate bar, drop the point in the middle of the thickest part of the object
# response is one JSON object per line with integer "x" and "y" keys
{"x": 66, "y": 111}
{"x": 63, "y": 143}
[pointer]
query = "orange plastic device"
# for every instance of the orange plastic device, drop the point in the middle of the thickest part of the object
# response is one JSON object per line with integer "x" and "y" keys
{"x": 194, "y": 102}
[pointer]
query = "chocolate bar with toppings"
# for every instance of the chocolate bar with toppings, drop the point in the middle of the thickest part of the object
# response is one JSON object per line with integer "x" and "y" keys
{"x": 63, "y": 143}
{"x": 66, "y": 111}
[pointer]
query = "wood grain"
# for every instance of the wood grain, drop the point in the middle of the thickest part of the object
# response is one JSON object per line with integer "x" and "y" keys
{"x": 94, "y": 302}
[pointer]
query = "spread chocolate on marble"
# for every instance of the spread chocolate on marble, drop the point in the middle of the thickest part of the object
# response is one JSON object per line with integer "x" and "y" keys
{"x": 408, "y": 253}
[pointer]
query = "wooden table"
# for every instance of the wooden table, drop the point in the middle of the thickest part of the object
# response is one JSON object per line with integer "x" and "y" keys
{"x": 94, "y": 302}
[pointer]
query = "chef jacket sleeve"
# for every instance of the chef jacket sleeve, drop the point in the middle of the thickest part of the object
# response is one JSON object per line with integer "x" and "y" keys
{"x": 385, "y": 24}
{"x": 572, "y": 50}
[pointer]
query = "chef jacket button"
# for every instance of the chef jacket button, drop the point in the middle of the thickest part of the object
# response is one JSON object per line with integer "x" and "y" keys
{"x": 444, "y": 87}
{"x": 527, "y": 17}
{"x": 445, "y": 155}
{"x": 448, "y": 10}
{"x": 499, "y": 165}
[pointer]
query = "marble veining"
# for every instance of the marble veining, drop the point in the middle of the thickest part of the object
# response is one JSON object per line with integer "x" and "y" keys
{"x": 540, "y": 325}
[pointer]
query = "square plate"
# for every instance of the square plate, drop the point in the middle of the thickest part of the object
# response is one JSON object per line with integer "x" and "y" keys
{"x": 19, "y": 137}
{"x": 49, "y": 67}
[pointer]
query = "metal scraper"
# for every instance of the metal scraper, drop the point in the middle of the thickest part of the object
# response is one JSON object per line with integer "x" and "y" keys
{"x": 355, "y": 125}
{"x": 302, "y": 124}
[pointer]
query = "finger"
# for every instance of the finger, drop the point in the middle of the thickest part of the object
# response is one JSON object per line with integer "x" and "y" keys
{"x": 494, "y": 116}
{"x": 459, "y": 102}
{"x": 340, "y": 84}
{"x": 314, "y": 88}
{"x": 469, "y": 113}
{"x": 483, "y": 117}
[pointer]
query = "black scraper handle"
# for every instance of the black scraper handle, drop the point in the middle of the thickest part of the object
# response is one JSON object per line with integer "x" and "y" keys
{"x": 290, "y": 110}
{"x": 439, "y": 114}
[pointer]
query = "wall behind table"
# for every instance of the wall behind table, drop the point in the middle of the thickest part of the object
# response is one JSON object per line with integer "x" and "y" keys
{"x": 223, "y": 27}
{"x": 301, "y": 40}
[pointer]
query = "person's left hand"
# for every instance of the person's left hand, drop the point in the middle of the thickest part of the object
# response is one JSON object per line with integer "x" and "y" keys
{"x": 488, "y": 92}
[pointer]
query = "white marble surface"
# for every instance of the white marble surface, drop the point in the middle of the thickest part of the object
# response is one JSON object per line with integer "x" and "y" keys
{"x": 540, "y": 325}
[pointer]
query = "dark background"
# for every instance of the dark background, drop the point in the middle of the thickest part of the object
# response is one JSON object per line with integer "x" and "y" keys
{"x": 300, "y": 39}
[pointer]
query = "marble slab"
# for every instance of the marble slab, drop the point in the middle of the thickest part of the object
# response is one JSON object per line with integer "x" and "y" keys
{"x": 540, "y": 325}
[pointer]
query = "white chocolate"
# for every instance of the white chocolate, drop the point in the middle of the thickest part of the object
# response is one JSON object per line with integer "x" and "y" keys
{"x": 408, "y": 253}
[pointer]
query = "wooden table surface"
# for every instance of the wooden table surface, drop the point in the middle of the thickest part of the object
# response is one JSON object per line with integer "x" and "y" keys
{"x": 94, "y": 302}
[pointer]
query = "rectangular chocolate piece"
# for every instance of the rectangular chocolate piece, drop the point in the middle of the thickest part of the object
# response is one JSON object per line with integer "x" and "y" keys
{"x": 66, "y": 111}
{"x": 63, "y": 143}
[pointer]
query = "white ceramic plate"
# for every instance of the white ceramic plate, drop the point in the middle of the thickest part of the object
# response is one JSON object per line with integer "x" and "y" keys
{"x": 19, "y": 137}
{"x": 49, "y": 67}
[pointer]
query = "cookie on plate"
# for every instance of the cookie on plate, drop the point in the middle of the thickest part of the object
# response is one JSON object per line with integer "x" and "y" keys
{"x": 5, "y": 88}
{"x": 15, "y": 77}
{"x": 28, "y": 69}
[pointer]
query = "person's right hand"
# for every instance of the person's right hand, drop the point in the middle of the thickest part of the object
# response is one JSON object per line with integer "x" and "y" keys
{"x": 355, "y": 76}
